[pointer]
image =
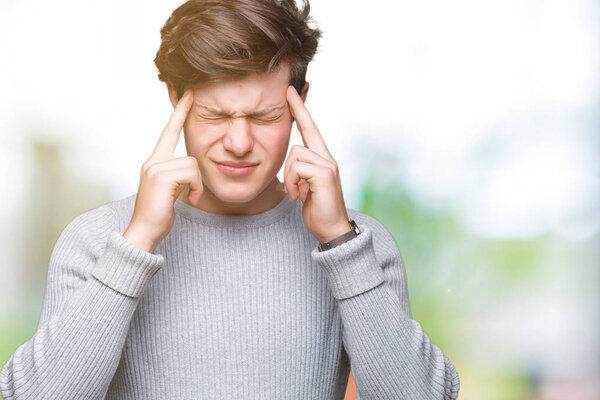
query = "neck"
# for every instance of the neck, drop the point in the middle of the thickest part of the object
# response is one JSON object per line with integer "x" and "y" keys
{"x": 270, "y": 197}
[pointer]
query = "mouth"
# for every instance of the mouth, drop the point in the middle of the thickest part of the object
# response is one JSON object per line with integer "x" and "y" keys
{"x": 236, "y": 171}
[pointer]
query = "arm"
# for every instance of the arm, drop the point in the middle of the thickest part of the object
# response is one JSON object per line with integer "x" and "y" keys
{"x": 391, "y": 356}
{"x": 95, "y": 279}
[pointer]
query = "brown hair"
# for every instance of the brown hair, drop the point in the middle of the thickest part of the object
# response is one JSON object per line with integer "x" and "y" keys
{"x": 217, "y": 40}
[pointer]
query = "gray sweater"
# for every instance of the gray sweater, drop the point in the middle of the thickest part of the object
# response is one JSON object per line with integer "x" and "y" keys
{"x": 228, "y": 307}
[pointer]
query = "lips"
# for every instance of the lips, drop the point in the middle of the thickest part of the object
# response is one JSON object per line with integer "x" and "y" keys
{"x": 237, "y": 164}
{"x": 236, "y": 171}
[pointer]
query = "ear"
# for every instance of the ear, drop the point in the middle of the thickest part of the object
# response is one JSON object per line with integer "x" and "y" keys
{"x": 304, "y": 92}
{"x": 172, "y": 93}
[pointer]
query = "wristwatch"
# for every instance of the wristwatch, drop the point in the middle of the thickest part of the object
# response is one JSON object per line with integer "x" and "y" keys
{"x": 341, "y": 239}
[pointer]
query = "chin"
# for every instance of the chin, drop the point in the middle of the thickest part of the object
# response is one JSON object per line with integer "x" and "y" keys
{"x": 229, "y": 192}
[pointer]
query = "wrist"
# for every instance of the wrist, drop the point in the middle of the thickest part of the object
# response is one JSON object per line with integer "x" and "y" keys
{"x": 337, "y": 232}
{"x": 341, "y": 239}
{"x": 139, "y": 241}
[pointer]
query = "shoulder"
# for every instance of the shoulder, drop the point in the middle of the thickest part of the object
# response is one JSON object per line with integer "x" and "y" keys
{"x": 384, "y": 243}
{"x": 123, "y": 209}
{"x": 88, "y": 232}
{"x": 77, "y": 249}
{"x": 380, "y": 231}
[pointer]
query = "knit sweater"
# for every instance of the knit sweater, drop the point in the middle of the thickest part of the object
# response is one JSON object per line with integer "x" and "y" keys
{"x": 227, "y": 307}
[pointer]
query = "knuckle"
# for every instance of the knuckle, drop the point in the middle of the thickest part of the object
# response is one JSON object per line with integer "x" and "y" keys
{"x": 332, "y": 172}
{"x": 191, "y": 161}
{"x": 152, "y": 171}
{"x": 146, "y": 164}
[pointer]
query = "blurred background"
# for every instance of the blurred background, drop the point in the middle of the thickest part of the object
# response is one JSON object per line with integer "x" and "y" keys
{"x": 470, "y": 129}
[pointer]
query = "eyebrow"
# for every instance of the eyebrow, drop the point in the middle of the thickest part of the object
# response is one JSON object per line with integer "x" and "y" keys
{"x": 258, "y": 113}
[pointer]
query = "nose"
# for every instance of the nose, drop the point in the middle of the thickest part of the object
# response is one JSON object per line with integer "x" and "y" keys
{"x": 238, "y": 137}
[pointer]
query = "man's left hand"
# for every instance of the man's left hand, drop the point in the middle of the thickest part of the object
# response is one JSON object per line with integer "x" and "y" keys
{"x": 311, "y": 173}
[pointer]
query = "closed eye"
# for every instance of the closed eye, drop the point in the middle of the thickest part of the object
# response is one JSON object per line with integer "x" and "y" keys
{"x": 267, "y": 119}
{"x": 263, "y": 119}
{"x": 211, "y": 117}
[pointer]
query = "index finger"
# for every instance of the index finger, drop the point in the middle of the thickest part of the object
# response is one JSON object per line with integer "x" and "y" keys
{"x": 308, "y": 129}
{"x": 167, "y": 142}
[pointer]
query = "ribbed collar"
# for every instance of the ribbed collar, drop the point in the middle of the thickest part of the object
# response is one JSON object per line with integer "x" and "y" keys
{"x": 285, "y": 206}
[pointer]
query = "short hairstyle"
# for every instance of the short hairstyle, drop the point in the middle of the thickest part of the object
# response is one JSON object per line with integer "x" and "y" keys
{"x": 220, "y": 40}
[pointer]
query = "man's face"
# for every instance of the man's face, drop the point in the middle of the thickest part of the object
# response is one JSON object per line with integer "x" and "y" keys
{"x": 242, "y": 120}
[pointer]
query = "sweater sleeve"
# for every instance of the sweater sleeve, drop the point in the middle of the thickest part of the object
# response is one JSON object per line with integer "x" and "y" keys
{"x": 95, "y": 278}
{"x": 391, "y": 356}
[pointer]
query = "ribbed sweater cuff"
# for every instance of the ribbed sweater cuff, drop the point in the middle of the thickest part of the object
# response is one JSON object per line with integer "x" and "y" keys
{"x": 126, "y": 268}
{"x": 352, "y": 267}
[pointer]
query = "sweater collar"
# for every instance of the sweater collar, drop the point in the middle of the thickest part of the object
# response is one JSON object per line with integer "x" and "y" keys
{"x": 194, "y": 214}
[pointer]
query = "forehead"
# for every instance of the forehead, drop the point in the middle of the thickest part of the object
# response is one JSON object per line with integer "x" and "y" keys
{"x": 246, "y": 95}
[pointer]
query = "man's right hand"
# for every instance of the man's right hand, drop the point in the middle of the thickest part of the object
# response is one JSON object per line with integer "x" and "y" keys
{"x": 162, "y": 180}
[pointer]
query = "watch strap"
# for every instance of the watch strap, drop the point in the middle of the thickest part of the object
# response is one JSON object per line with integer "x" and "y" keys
{"x": 341, "y": 239}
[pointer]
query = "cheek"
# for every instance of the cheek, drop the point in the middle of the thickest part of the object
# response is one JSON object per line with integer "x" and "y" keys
{"x": 277, "y": 145}
{"x": 197, "y": 140}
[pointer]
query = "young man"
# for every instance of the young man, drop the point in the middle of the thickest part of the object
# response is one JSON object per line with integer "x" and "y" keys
{"x": 212, "y": 283}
